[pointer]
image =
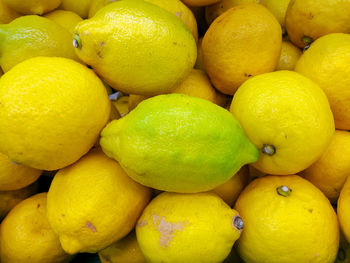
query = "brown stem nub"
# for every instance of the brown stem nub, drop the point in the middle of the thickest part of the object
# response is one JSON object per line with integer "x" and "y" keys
{"x": 269, "y": 149}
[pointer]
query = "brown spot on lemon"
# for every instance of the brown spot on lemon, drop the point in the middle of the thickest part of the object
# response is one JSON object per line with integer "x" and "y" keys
{"x": 166, "y": 229}
{"x": 90, "y": 226}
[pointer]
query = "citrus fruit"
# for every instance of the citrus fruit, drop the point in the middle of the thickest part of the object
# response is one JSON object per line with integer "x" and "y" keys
{"x": 26, "y": 236}
{"x": 178, "y": 143}
{"x": 7, "y": 14}
{"x": 110, "y": 42}
{"x": 52, "y": 114}
{"x": 286, "y": 219}
{"x": 278, "y": 8}
{"x": 287, "y": 117}
{"x": 330, "y": 171}
{"x": 80, "y": 7}
{"x": 177, "y": 227}
{"x": 326, "y": 62}
{"x": 33, "y": 36}
{"x": 66, "y": 19}
{"x": 343, "y": 209}
{"x": 93, "y": 203}
{"x": 233, "y": 43}
{"x": 308, "y": 20}
{"x": 289, "y": 56}
{"x": 33, "y": 7}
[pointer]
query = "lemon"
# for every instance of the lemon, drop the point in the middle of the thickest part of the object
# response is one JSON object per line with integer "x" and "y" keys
{"x": 33, "y": 36}
{"x": 136, "y": 47}
{"x": 80, "y": 7}
{"x": 286, "y": 219}
{"x": 33, "y": 7}
{"x": 308, "y": 20}
{"x": 187, "y": 227}
{"x": 343, "y": 209}
{"x": 15, "y": 176}
{"x": 233, "y": 43}
{"x": 93, "y": 203}
{"x": 278, "y": 8}
{"x": 215, "y": 10}
{"x": 7, "y": 14}
{"x": 66, "y": 19}
{"x": 200, "y": 2}
{"x": 26, "y": 235}
{"x": 326, "y": 62}
{"x": 230, "y": 190}
{"x": 287, "y": 117}
{"x": 9, "y": 199}
{"x": 330, "y": 171}
{"x": 125, "y": 250}
{"x": 178, "y": 143}
{"x": 174, "y": 6}
{"x": 289, "y": 56}
{"x": 52, "y": 114}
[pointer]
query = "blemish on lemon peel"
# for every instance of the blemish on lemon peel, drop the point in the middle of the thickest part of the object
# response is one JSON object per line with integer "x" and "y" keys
{"x": 90, "y": 226}
{"x": 166, "y": 229}
{"x": 142, "y": 223}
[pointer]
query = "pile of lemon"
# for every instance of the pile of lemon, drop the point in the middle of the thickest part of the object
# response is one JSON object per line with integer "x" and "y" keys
{"x": 175, "y": 131}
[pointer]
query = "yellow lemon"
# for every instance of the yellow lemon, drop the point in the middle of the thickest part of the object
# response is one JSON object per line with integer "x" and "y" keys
{"x": 33, "y": 7}
{"x": 343, "y": 209}
{"x": 15, "y": 176}
{"x": 278, "y": 8}
{"x": 126, "y": 250}
{"x": 66, "y": 19}
{"x": 330, "y": 171}
{"x": 80, "y": 7}
{"x": 52, "y": 114}
{"x": 287, "y": 117}
{"x": 172, "y": 143}
{"x": 233, "y": 45}
{"x": 33, "y": 36}
{"x": 187, "y": 227}
{"x": 230, "y": 190}
{"x": 111, "y": 43}
{"x": 215, "y": 10}
{"x": 286, "y": 219}
{"x": 308, "y": 20}
{"x": 289, "y": 56}
{"x": 7, "y": 14}
{"x": 93, "y": 203}
{"x": 327, "y": 62}
{"x": 200, "y": 2}
{"x": 9, "y": 199}
{"x": 26, "y": 236}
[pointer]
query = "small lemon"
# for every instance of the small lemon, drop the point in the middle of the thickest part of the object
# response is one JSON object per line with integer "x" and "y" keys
{"x": 187, "y": 228}
{"x": 136, "y": 47}
{"x": 66, "y": 19}
{"x": 52, "y": 114}
{"x": 278, "y": 8}
{"x": 93, "y": 203}
{"x": 326, "y": 62}
{"x": 33, "y": 36}
{"x": 7, "y": 14}
{"x": 33, "y": 7}
{"x": 330, "y": 171}
{"x": 286, "y": 219}
{"x": 26, "y": 236}
{"x": 287, "y": 117}
{"x": 178, "y": 143}
{"x": 233, "y": 45}
{"x": 80, "y": 7}
{"x": 308, "y": 20}
{"x": 126, "y": 250}
{"x": 343, "y": 209}
{"x": 15, "y": 176}
{"x": 289, "y": 56}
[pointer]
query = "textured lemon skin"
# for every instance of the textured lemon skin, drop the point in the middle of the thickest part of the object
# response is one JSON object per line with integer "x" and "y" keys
{"x": 33, "y": 36}
{"x": 289, "y": 57}
{"x": 52, "y": 114}
{"x": 301, "y": 227}
{"x": 178, "y": 143}
{"x": 243, "y": 42}
{"x": 111, "y": 43}
{"x": 316, "y": 18}
{"x": 343, "y": 209}
{"x": 330, "y": 171}
{"x": 187, "y": 227}
{"x": 33, "y": 7}
{"x": 15, "y": 176}
{"x": 66, "y": 19}
{"x": 93, "y": 203}
{"x": 288, "y": 111}
{"x": 7, "y": 14}
{"x": 326, "y": 62}
{"x": 278, "y": 8}
{"x": 26, "y": 235}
